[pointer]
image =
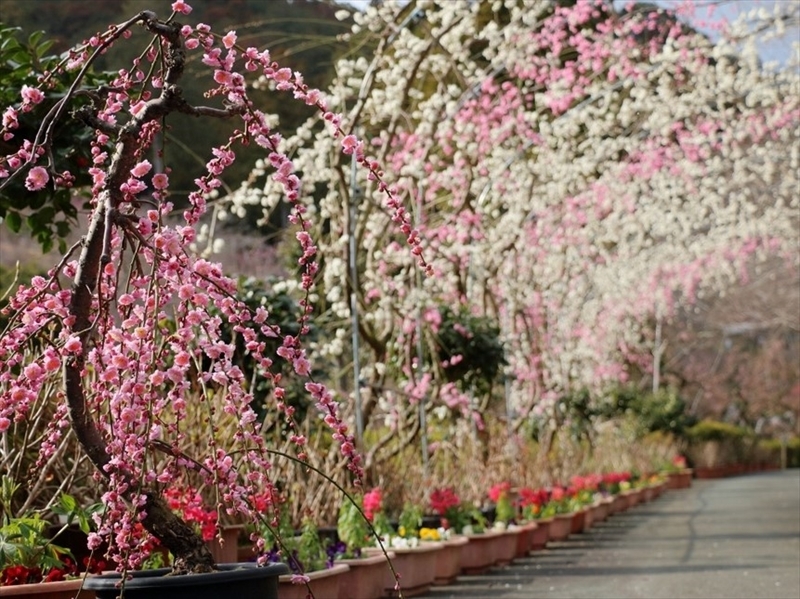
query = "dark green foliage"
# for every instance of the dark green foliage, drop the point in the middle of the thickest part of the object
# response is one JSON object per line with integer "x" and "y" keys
{"x": 712, "y": 430}
{"x": 477, "y": 340}
{"x": 284, "y": 311}
{"x": 663, "y": 411}
{"x": 48, "y": 216}
{"x": 301, "y": 35}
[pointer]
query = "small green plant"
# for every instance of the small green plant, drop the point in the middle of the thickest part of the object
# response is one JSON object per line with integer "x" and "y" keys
{"x": 307, "y": 549}
{"x": 477, "y": 520}
{"x": 504, "y": 509}
{"x": 352, "y": 528}
{"x": 302, "y": 552}
{"x": 27, "y": 553}
{"x": 410, "y": 521}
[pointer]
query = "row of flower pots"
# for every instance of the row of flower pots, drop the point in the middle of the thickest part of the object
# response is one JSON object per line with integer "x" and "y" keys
{"x": 442, "y": 562}
{"x": 416, "y": 568}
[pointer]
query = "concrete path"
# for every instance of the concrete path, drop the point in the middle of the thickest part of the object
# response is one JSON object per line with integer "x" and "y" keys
{"x": 726, "y": 538}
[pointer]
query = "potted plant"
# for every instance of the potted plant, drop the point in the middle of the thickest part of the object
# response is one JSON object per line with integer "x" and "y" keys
{"x": 581, "y": 498}
{"x": 365, "y": 579}
{"x": 535, "y": 508}
{"x": 561, "y": 526}
{"x": 505, "y": 520}
{"x": 32, "y": 562}
{"x": 414, "y": 562}
{"x": 311, "y": 563}
{"x": 128, "y": 323}
{"x": 480, "y": 551}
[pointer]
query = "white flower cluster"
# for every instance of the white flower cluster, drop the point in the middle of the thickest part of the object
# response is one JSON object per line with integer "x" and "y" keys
{"x": 569, "y": 179}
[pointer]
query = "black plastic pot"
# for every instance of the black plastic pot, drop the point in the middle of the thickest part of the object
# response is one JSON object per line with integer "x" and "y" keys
{"x": 242, "y": 581}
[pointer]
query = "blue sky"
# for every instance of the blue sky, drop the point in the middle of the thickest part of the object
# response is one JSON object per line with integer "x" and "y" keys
{"x": 779, "y": 50}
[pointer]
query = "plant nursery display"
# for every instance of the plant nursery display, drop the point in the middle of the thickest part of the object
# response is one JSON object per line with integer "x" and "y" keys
{"x": 489, "y": 212}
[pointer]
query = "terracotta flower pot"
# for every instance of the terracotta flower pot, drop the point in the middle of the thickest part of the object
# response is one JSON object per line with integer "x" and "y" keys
{"x": 228, "y": 551}
{"x": 448, "y": 561}
{"x": 560, "y": 527}
{"x": 630, "y": 498}
{"x": 416, "y": 567}
{"x": 619, "y": 505}
{"x": 480, "y": 553}
{"x": 541, "y": 534}
{"x": 600, "y": 511}
{"x": 63, "y": 589}
{"x": 507, "y": 546}
{"x": 525, "y": 539}
{"x": 365, "y": 578}
{"x": 578, "y": 523}
{"x": 324, "y": 583}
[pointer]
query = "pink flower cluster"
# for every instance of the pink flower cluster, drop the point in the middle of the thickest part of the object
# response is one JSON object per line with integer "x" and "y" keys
{"x": 373, "y": 503}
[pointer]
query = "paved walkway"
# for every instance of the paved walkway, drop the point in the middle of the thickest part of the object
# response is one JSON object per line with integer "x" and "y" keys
{"x": 724, "y": 538}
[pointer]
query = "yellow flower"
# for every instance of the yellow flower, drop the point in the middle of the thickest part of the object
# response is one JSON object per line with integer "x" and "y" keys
{"x": 402, "y": 531}
{"x": 429, "y": 534}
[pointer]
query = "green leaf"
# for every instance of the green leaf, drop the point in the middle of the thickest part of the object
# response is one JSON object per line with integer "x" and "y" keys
{"x": 67, "y": 503}
{"x": 46, "y": 242}
{"x": 14, "y": 221}
{"x": 34, "y": 37}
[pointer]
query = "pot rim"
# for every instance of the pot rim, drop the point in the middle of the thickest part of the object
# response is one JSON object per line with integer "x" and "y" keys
{"x": 224, "y": 574}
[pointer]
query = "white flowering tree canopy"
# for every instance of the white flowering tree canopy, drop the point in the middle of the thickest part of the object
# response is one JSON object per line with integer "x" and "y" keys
{"x": 574, "y": 169}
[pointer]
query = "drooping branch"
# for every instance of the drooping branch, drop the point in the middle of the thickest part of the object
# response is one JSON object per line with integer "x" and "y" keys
{"x": 188, "y": 549}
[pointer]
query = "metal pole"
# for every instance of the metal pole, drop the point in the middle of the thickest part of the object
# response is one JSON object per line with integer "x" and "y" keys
{"x": 423, "y": 423}
{"x": 657, "y": 351}
{"x": 355, "y": 192}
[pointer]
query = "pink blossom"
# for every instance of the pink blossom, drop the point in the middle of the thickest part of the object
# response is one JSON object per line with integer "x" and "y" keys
{"x": 37, "y": 178}
{"x": 31, "y": 95}
{"x": 181, "y": 7}
{"x": 160, "y": 181}
{"x": 138, "y": 107}
{"x": 300, "y": 579}
{"x": 302, "y": 366}
{"x": 141, "y": 169}
{"x": 10, "y": 118}
{"x": 223, "y": 77}
{"x": 229, "y": 41}
{"x": 349, "y": 144}
{"x": 73, "y": 345}
{"x": 373, "y": 503}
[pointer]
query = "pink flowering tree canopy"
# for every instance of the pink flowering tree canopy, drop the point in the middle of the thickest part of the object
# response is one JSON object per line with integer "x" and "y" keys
{"x": 579, "y": 169}
{"x": 128, "y": 325}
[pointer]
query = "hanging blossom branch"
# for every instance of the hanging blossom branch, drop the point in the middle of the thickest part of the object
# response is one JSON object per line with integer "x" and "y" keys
{"x": 127, "y": 377}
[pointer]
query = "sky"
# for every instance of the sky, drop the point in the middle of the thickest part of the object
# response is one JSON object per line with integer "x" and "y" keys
{"x": 776, "y": 50}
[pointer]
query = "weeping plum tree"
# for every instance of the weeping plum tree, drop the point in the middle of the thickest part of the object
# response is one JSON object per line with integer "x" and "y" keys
{"x": 130, "y": 320}
{"x": 579, "y": 167}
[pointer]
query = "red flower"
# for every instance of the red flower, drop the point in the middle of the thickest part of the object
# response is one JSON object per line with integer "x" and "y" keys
{"x": 14, "y": 575}
{"x": 55, "y": 574}
{"x": 444, "y": 499}
{"x": 498, "y": 490}
{"x": 530, "y": 497}
{"x": 93, "y": 565}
